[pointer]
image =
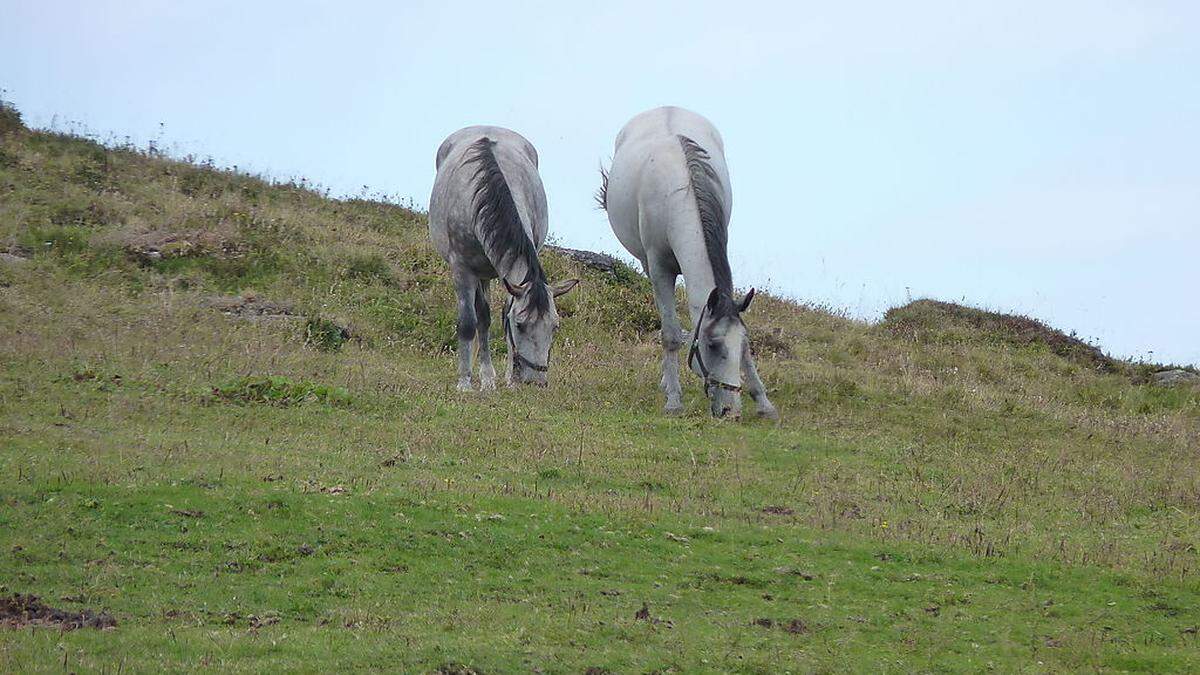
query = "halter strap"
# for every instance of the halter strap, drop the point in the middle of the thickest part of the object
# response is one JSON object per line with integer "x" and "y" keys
{"x": 512, "y": 344}
{"x": 694, "y": 353}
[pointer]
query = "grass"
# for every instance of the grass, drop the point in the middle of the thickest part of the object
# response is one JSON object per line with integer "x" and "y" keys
{"x": 240, "y": 494}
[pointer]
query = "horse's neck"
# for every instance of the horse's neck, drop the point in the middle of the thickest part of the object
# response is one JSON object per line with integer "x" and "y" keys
{"x": 698, "y": 278}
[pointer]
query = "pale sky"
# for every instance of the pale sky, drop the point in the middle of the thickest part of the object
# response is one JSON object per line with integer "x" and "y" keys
{"x": 1030, "y": 156}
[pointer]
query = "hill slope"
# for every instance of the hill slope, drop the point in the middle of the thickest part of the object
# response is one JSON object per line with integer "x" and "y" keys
{"x": 227, "y": 417}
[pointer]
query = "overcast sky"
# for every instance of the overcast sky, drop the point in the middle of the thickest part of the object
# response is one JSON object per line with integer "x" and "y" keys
{"x": 1035, "y": 156}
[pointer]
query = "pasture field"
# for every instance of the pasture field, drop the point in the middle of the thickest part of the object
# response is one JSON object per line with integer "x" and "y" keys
{"x": 228, "y": 418}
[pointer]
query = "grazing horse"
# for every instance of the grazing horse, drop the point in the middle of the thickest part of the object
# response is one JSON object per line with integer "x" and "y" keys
{"x": 667, "y": 196}
{"x": 487, "y": 217}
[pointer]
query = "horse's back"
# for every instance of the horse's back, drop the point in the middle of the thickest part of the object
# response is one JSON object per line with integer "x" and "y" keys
{"x": 645, "y": 202}
{"x": 670, "y": 121}
{"x": 451, "y": 205}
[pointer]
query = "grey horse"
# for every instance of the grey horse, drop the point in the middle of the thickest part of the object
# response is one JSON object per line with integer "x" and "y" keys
{"x": 668, "y": 199}
{"x": 487, "y": 218}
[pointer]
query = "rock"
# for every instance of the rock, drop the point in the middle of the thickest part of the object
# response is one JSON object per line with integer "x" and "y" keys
{"x": 250, "y": 307}
{"x": 1176, "y": 377}
{"x": 12, "y": 259}
{"x": 597, "y": 261}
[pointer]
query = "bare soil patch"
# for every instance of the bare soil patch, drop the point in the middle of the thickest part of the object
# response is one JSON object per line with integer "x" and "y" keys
{"x": 18, "y": 611}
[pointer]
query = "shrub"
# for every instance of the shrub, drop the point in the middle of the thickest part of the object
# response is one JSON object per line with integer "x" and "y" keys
{"x": 10, "y": 119}
{"x": 325, "y": 335}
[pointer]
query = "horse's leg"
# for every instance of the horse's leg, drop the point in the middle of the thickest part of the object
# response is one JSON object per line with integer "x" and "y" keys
{"x": 465, "y": 287}
{"x": 483, "y": 318}
{"x": 754, "y": 383}
{"x": 663, "y": 283}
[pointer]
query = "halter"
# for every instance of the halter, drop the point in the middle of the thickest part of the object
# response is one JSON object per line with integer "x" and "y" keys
{"x": 694, "y": 353}
{"x": 512, "y": 344}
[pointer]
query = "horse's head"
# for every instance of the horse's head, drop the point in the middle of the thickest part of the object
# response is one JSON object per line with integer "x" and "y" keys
{"x": 530, "y": 320}
{"x": 718, "y": 345}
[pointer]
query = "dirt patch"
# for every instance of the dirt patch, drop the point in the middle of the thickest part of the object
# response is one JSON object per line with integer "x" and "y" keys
{"x": 249, "y": 307}
{"x": 18, "y": 611}
{"x": 155, "y": 245}
{"x": 778, "y": 510}
{"x": 934, "y": 320}
{"x": 796, "y": 627}
{"x": 793, "y": 626}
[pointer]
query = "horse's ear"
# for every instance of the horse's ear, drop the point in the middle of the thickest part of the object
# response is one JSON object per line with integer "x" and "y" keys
{"x": 713, "y": 299}
{"x": 515, "y": 291}
{"x": 563, "y": 287}
{"x": 746, "y": 301}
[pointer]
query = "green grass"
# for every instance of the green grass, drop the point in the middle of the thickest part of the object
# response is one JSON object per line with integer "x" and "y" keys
{"x": 944, "y": 493}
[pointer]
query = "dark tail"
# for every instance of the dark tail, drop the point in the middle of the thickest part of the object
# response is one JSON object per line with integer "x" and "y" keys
{"x": 706, "y": 186}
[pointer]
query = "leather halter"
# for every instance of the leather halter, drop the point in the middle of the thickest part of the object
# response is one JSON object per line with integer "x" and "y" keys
{"x": 512, "y": 344}
{"x": 694, "y": 353}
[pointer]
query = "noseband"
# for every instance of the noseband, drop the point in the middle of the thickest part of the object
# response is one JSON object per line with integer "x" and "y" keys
{"x": 512, "y": 344}
{"x": 694, "y": 353}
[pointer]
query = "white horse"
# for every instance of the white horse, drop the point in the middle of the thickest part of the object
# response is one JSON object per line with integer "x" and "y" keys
{"x": 487, "y": 217}
{"x": 668, "y": 199}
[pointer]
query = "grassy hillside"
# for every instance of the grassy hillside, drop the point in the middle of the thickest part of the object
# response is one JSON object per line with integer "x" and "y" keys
{"x": 227, "y": 417}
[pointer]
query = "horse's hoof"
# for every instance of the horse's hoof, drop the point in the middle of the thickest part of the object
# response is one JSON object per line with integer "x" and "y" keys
{"x": 487, "y": 385}
{"x": 465, "y": 386}
{"x": 673, "y": 410}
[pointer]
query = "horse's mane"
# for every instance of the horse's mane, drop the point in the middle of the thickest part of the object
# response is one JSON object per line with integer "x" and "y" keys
{"x": 499, "y": 223}
{"x": 706, "y": 187}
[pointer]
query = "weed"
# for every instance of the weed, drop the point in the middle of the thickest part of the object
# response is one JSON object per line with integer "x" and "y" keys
{"x": 281, "y": 391}
{"x": 324, "y": 334}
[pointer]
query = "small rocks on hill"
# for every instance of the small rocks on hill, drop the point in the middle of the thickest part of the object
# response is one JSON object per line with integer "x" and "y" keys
{"x": 250, "y": 307}
{"x": 1176, "y": 377}
{"x": 597, "y": 261}
{"x": 12, "y": 259}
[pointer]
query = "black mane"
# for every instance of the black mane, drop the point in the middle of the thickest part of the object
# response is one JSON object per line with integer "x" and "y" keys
{"x": 499, "y": 223}
{"x": 706, "y": 187}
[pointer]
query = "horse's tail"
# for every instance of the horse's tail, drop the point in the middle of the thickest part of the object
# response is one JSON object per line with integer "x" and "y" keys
{"x": 497, "y": 219}
{"x": 601, "y": 195}
{"x": 706, "y": 187}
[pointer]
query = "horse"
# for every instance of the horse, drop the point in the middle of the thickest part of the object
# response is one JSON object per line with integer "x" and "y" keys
{"x": 488, "y": 220}
{"x": 668, "y": 199}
